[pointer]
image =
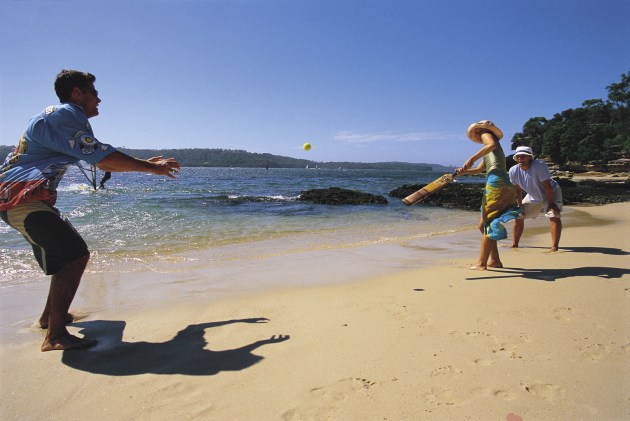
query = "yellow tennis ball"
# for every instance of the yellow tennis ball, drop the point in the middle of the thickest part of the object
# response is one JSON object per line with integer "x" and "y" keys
{"x": 307, "y": 146}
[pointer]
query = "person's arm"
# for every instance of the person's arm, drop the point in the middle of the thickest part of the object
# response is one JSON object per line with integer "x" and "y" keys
{"x": 489, "y": 144}
{"x": 119, "y": 162}
{"x": 519, "y": 195}
{"x": 549, "y": 195}
{"x": 544, "y": 177}
{"x": 479, "y": 169}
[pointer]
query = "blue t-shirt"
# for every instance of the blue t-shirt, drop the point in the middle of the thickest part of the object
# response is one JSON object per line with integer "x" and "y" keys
{"x": 531, "y": 179}
{"x": 56, "y": 138}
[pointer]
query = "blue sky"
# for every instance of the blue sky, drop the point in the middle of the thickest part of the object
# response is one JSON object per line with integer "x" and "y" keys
{"x": 361, "y": 80}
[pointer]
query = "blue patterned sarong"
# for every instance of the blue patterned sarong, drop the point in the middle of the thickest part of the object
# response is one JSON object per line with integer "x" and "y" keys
{"x": 499, "y": 204}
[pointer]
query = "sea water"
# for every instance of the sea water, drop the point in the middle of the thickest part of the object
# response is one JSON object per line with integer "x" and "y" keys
{"x": 142, "y": 222}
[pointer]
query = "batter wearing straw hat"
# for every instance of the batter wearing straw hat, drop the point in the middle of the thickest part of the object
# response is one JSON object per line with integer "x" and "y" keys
{"x": 498, "y": 204}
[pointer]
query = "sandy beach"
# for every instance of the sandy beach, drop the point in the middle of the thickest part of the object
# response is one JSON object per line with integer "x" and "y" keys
{"x": 545, "y": 338}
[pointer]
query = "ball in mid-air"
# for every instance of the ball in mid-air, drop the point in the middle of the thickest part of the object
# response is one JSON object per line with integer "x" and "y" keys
{"x": 307, "y": 146}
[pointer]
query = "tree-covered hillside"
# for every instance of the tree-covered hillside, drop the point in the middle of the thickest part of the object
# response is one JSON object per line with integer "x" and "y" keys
{"x": 243, "y": 159}
{"x": 597, "y": 132}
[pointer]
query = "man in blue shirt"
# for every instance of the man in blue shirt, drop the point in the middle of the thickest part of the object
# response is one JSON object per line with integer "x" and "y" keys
{"x": 543, "y": 194}
{"x": 56, "y": 138}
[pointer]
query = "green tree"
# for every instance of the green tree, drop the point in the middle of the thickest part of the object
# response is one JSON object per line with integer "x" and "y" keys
{"x": 619, "y": 93}
{"x": 532, "y": 134}
{"x": 598, "y": 131}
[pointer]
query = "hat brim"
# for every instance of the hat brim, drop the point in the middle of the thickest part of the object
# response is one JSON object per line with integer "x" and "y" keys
{"x": 523, "y": 153}
{"x": 475, "y": 130}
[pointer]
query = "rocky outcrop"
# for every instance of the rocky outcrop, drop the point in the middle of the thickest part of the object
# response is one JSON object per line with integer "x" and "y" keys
{"x": 616, "y": 166}
{"x": 594, "y": 191}
{"x": 454, "y": 195}
{"x": 468, "y": 195}
{"x": 340, "y": 196}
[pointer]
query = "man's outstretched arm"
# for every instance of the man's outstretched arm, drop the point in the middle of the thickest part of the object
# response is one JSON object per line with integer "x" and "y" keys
{"x": 119, "y": 162}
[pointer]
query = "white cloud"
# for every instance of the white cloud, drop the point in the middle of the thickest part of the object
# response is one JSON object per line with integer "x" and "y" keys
{"x": 353, "y": 137}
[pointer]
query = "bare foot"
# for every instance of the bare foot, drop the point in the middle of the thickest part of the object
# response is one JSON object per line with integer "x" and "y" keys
{"x": 552, "y": 250}
{"x": 66, "y": 342}
{"x": 497, "y": 265}
{"x": 43, "y": 322}
{"x": 477, "y": 267}
{"x": 514, "y": 246}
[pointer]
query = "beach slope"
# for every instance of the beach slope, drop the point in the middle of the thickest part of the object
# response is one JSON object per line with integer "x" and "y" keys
{"x": 546, "y": 337}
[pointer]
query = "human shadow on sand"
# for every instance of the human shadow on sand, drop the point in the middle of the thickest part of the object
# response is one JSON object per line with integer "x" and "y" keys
{"x": 551, "y": 275}
{"x": 184, "y": 354}
{"x": 593, "y": 250}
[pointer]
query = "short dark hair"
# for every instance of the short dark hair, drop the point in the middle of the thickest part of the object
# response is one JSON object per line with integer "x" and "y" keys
{"x": 69, "y": 79}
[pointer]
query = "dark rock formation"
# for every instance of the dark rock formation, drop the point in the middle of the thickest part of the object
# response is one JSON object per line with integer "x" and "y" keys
{"x": 454, "y": 195}
{"x": 339, "y": 196}
{"x": 593, "y": 191}
{"x": 468, "y": 195}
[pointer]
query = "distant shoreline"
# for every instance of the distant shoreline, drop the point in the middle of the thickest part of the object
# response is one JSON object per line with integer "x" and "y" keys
{"x": 227, "y": 158}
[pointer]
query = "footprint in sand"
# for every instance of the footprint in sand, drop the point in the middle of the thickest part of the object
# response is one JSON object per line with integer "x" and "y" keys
{"x": 411, "y": 318}
{"x": 506, "y": 352}
{"x": 563, "y": 313}
{"x": 545, "y": 391}
{"x": 485, "y": 392}
{"x": 491, "y": 339}
{"x": 323, "y": 401}
{"x": 505, "y": 395}
{"x": 497, "y": 350}
{"x": 439, "y": 397}
{"x": 595, "y": 351}
{"x": 448, "y": 370}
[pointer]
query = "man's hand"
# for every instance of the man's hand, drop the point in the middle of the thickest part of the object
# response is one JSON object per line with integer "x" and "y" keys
{"x": 165, "y": 166}
{"x": 554, "y": 207}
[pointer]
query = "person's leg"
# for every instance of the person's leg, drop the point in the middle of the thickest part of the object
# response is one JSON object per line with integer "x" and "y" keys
{"x": 62, "y": 253}
{"x": 556, "y": 230}
{"x": 494, "y": 261}
{"x": 484, "y": 253}
{"x": 71, "y": 271}
{"x": 529, "y": 211}
{"x": 519, "y": 226}
{"x": 63, "y": 287}
{"x": 556, "y": 223}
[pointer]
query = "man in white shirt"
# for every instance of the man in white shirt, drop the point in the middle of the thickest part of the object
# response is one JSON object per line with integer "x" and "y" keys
{"x": 543, "y": 194}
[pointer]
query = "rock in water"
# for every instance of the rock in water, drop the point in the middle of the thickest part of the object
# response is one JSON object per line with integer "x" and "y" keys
{"x": 340, "y": 196}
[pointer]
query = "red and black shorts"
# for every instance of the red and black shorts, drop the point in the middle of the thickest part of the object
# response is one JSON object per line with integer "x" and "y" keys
{"x": 54, "y": 240}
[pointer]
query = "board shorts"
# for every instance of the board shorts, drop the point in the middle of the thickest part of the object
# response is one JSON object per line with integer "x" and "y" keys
{"x": 54, "y": 240}
{"x": 531, "y": 210}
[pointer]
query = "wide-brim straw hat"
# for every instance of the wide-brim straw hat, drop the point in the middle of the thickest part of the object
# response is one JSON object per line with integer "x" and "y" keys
{"x": 474, "y": 130}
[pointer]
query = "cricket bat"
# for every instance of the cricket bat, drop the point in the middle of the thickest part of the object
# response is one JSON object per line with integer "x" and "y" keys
{"x": 429, "y": 189}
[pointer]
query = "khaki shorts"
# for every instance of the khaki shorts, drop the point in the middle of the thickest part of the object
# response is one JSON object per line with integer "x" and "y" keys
{"x": 54, "y": 240}
{"x": 532, "y": 210}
